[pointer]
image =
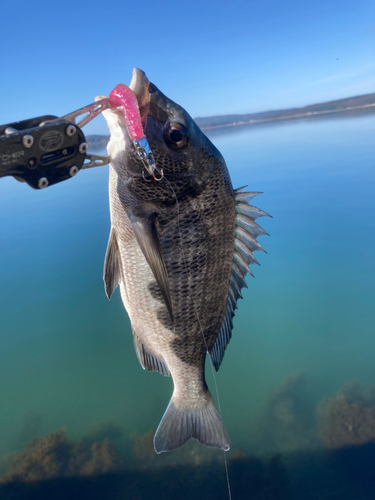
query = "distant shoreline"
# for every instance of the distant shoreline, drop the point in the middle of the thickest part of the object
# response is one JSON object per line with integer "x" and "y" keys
{"x": 350, "y": 106}
{"x": 296, "y": 116}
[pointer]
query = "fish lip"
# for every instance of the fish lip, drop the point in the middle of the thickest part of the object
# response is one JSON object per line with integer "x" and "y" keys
{"x": 140, "y": 86}
{"x": 137, "y": 82}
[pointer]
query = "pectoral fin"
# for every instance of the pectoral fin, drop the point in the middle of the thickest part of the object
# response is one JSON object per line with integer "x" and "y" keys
{"x": 145, "y": 231}
{"x": 112, "y": 265}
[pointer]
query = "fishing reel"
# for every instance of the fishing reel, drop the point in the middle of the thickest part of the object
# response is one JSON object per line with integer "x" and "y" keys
{"x": 46, "y": 150}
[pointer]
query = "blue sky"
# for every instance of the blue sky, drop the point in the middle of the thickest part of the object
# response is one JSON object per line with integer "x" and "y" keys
{"x": 212, "y": 57}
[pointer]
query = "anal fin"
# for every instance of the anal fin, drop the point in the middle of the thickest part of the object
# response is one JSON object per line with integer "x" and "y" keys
{"x": 147, "y": 360}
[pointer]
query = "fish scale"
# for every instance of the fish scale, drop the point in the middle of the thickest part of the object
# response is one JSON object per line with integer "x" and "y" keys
{"x": 180, "y": 250}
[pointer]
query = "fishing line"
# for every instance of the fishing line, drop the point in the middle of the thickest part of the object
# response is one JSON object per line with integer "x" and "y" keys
{"x": 201, "y": 329}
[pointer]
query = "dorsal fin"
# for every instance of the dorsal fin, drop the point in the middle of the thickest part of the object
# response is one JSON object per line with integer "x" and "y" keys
{"x": 148, "y": 360}
{"x": 112, "y": 265}
{"x": 246, "y": 234}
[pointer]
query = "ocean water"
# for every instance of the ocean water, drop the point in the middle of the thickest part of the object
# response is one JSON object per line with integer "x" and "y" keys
{"x": 303, "y": 346}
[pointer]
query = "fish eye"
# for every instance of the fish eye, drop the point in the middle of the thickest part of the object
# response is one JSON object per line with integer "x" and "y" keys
{"x": 176, "y": 135}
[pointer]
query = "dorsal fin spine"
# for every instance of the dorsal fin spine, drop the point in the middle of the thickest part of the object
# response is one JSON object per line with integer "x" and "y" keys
{"x": 245, "y": 253}
{"x": 246, "y": 197}
{"x": 242, "y": 264}
{"x": 250, "y": 211}
{"x": 248, "y": 240}
{"x": 250, "y": 226}
{"x": 239, "y": 277}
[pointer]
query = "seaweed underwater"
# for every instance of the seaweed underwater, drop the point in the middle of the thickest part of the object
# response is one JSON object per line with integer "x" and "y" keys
{"x": 54, "y": 466}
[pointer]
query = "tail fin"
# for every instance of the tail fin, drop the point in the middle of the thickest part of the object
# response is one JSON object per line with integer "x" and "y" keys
{"x": 179, "y": 425}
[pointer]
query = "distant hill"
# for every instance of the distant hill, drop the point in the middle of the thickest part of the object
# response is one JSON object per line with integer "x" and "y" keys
{"x": 350, "y": 105}
{"x": 339, "y": 106}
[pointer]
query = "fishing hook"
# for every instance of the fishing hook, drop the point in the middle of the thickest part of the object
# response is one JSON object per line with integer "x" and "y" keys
{"x": 158, "y": 179}
{"x": 144, "y": 177}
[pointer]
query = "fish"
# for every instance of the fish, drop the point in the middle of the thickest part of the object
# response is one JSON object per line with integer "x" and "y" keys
{"x": 179, "y": 249}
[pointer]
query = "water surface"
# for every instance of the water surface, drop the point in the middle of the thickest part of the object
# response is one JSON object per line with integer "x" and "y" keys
{"x": 304, "y": 329}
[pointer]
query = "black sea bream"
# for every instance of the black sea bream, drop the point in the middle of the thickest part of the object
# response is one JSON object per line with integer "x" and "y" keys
{"x": 180, "y": 264}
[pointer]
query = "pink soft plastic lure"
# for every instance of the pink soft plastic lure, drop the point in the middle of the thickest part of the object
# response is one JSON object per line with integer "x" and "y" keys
{"x": 123, "y": 96}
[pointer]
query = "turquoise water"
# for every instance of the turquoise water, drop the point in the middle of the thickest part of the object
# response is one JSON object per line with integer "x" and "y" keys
{"x": 304, "y": 329}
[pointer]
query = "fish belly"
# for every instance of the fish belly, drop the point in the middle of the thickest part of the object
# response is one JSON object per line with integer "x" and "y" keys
{"x": 137, "y": 281}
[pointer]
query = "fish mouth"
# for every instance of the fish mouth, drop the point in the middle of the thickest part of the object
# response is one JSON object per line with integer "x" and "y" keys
{"x": 140, "y": 86}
